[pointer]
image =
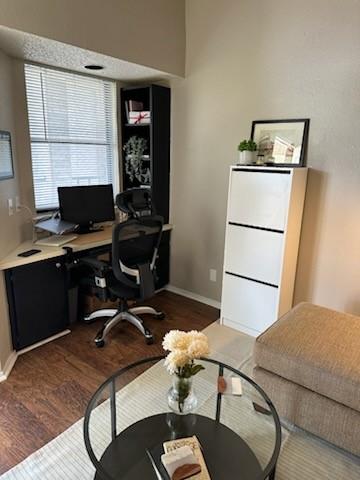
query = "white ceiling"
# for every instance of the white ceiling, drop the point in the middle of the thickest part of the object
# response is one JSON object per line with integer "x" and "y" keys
{"x": 50, "y": 52}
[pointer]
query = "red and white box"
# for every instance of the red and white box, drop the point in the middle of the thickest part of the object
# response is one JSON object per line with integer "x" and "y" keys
{"x": 139, "y": 118}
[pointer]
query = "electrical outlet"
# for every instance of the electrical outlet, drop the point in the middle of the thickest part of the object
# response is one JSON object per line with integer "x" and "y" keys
{"x": 212, "y": 275}
{"x": 17, "y": 203}
{"x": 10, "y": 206}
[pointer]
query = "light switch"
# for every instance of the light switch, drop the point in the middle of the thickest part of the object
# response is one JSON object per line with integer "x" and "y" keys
{"x": 11, "y": 206}
{"x": 212, "y": 275}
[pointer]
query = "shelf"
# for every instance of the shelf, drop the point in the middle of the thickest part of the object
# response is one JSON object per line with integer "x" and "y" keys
{"x": 156, "y": 100}
{"x": 137, "y": 124}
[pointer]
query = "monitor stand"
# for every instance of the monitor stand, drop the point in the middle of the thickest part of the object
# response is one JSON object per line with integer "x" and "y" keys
{"x": 84, "y": 229}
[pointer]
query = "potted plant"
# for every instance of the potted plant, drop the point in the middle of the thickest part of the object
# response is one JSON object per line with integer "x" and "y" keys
{"x": 247, "y": 149}
{"x": 134, "y": 150}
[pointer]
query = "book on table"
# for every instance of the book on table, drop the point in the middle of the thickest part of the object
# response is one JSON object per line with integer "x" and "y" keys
{"x": 195, "y": 446}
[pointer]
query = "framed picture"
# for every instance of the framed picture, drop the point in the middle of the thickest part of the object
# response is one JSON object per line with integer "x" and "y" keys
{"x": 6, "y": 161}
{"x": 281, "y": 142}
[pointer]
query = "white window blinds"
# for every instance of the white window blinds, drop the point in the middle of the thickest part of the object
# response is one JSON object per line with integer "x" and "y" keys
{"x": 72, "y": 122}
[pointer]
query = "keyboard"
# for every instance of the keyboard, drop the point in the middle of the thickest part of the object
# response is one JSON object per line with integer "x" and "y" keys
{"x": 56, "y": 240}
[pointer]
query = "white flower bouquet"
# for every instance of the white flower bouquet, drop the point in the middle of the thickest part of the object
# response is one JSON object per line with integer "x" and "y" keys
{"x": 184, "y": 348}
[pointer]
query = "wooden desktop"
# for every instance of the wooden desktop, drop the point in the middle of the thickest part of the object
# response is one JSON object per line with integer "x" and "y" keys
{"x": 87, "y": 241}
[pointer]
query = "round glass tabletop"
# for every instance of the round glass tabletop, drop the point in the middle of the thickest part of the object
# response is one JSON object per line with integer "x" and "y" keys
{"x": 128, "y": 420}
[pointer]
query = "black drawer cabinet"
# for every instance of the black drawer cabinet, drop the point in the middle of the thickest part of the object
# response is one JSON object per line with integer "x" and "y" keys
{"x": 38, "y": 301}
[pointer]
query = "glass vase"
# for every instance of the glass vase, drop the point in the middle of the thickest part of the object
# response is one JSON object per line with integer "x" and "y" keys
{"x": 181, "y": 396}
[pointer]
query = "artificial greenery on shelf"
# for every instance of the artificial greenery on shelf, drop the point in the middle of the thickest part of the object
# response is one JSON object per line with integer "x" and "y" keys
{"x": 134, "y": 150}
{"x": 135, "y": 146}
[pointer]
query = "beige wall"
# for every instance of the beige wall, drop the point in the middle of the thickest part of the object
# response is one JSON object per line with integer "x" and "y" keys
{"x": 148, "y": 32}
{"x": 259, "y": 59}
{"x": 9, "y": 226}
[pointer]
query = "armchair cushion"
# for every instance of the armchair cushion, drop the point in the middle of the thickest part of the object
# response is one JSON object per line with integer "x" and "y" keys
{"x": 316, "y": 348}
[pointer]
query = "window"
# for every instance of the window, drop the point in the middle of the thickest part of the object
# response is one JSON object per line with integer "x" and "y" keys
{"x": 73, "y": 136}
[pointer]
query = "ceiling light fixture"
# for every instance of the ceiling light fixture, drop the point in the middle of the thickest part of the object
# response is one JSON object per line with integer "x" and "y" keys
{"x": 94, "y": 67}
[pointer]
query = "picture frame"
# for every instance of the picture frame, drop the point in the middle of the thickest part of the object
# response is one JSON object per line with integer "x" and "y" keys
{"x": 6, "y": 157}
{"x": 281, "y": 142}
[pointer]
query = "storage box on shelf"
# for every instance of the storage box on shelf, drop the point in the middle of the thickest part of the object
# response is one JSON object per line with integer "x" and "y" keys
{"x": 142, "y": 118}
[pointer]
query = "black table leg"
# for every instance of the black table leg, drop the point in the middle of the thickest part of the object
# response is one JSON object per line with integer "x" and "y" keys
{"x": 272, "y": 474}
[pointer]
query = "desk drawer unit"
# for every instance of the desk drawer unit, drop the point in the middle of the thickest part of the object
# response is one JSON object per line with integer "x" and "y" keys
{"x": 261, "y": 244}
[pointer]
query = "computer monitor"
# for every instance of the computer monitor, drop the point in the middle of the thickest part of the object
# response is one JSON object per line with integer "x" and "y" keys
{"x": 86, "y": 205}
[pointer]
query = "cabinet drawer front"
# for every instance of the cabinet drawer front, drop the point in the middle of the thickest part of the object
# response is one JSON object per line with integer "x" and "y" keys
{"x": 254, "y": 253}
{"x": 40, "y": 297}
{"x": 248, "y": 303}
{"x": 259, "y": 199}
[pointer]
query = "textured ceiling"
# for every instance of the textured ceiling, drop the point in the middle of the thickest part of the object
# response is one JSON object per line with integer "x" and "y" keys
{"x": 50, "y": 52}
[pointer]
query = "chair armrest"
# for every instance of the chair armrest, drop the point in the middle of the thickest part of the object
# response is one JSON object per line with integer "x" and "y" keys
{"x": 99, "y": 267}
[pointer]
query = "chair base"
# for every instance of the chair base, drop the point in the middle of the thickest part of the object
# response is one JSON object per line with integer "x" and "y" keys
{"x": 116, "y": 316}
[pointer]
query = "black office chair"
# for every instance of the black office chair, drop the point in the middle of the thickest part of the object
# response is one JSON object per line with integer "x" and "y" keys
{"x": 132, "y": 273}
{"x": 136, "y": 202}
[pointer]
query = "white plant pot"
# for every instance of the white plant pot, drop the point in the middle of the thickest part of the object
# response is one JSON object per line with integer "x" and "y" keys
{"x": 246, "y": 157}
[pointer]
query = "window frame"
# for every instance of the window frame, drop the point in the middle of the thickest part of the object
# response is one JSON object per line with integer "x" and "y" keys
{"x": 115, "y": 145}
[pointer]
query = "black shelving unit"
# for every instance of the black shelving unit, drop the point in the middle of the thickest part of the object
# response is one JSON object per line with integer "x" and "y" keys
{"x": 155, "y": 99}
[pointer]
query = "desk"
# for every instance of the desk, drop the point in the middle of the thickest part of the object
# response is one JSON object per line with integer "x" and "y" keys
{"x": 38, "y": 287}
{"x": 87, "y": 241}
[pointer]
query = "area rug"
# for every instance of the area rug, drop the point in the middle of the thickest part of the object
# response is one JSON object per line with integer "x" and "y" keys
{"x": 302, "y": 455}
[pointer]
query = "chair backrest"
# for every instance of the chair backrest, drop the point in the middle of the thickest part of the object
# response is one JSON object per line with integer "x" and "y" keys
{"x": 136, "y": 202}
{"x": 135, "y": 245}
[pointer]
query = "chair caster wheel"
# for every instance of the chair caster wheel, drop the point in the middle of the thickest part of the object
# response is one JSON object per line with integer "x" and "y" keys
{"x": 160, "y": 315}
{"x": 149, "y": 340}
{"x": 99, "y": 343}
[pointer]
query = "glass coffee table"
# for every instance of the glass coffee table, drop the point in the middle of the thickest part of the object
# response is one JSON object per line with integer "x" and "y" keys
{"x": 126, "y": 424}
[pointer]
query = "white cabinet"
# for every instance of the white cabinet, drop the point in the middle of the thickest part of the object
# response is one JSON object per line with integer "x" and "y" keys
{"x": 263, "y": 226}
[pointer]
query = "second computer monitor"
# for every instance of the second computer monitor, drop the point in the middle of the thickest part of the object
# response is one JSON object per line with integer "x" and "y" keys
{"x": 86, "y": 205}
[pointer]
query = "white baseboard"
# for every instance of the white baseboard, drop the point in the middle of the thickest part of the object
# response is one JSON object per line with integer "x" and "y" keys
{"x": 10, "y": 362}
{"x": 193, "y": 296}
{"x": 43, "y": 342}
{"x": 239, "y": 327}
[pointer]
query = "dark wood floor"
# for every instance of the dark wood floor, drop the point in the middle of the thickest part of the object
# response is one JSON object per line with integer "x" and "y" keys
{"x": 49, "y": 387}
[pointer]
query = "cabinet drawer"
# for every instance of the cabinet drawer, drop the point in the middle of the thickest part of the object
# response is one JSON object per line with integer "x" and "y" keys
{"x": 248, "y": 304}
{"x": 259, "y": 199}
{"x": 254, "y": 253}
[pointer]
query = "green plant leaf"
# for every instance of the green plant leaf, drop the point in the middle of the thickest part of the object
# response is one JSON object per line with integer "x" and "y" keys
{"x": 186, "y": 371}
{"x": 196, "y": 369}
